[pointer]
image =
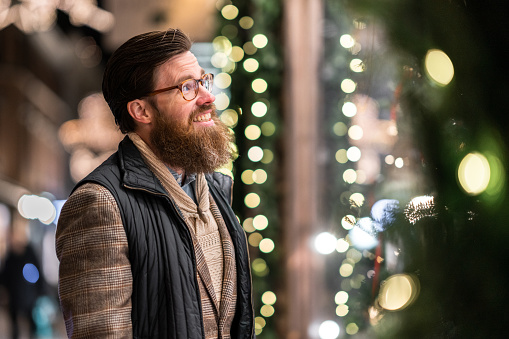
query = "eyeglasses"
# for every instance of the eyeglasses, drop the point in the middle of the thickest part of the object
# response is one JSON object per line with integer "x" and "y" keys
{"x": 189, "y": 88}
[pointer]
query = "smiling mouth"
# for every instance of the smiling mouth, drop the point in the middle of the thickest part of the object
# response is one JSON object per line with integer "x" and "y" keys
{"x": 202, "y": 117}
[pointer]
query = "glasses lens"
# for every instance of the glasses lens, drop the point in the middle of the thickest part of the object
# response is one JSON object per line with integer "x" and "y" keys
{"x": 189, "y": 89}
{"x": 208, "y": 81}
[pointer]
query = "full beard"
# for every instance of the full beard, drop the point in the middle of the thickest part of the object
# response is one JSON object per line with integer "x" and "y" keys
{"x": 194, "y": 150}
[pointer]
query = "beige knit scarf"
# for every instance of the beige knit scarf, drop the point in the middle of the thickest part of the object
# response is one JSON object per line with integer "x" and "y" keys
{"x": 198, "y": 218}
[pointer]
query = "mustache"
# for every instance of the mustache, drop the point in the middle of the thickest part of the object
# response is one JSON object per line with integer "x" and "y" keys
{"x": 202, "y": 109}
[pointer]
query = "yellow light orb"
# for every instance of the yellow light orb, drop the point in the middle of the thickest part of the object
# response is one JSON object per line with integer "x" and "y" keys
{"x": 341, "y": 156}
{"x": 255, "y": 154}
{"x": 249, "y": 48}
{"x": 339, "y": 129}
{"x": 268, "y": 128}
{"x": 341, "y": 297}
{"x": 222, "y": 101}
{"x": 355, "y": 132}
{"x": 346, "y": 270}
{"x": 252, "y": 200}
{"x": 254, "y": 239}
{"x": 260, "y": 322}
{"x": 248, "y": 225}
{"x": 347, "y": 41}
{"x": 267, "y": 245}
{"x": 348, "y": 222}
{"x": 230, "y": 12}
{"x": 348, "y": 86}
{"x": 349, "y": 109}
{"x": 246, "y": 22}
{"x": 259, "y": 265}
{"x": 259, "y": 85}
{"x": 259, "y": 109}
{"x": 219, "y": 60}
{"x": 247, "y": 177}
{"x": 259, "y": 176}
{"x": 268, "y": 156}
{"x": 251, "y": 65}
{"x": 341, "y": 310}
{"x": 357, "y": 199}
{"x": 267, "y": 311}
{"x": 398, "y": 291}
{"x": 229, "y": 117}
{"x": 222, "y": 44}
{"x": 357, "y": 65}
{"x": 236, "y": 54}
{"x": 439, "y": 67}
{"x": 269, "y": 298}
{"x": 260, "y": 40}
{"x": 252, "y": 132}
{"x": 223, "y": 80}
{"x": 349, "y": 176}
{"x": 342, "y": 245}
{"x": 260, "y": 222}
{"x": 474, "y": 173}
{"x": 352, "y": 329}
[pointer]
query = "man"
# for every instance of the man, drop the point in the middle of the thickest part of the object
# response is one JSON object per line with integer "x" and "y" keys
{"x": 148, "y": 244}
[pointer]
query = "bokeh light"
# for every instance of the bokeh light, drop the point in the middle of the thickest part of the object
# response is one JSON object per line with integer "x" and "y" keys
{"x": 325, "y": 243}
{"x": 267, "y": 245}
{"x": 340, "y": 129}
{"x": 260, "y": 40}
{"x": 269, "y": 298}
{"x": 347, "y": 41}
{"x": 247, "y": 177}
{"x": 252, "y": 200}
{"x": 268, "y": 128}
{"x": 267, "y": 311}
{"x": 342, "y": 245}
{"x": 474, "y": 173}
{"x": 439, "y": 67}
{"x": 357, "y": 65}
{"x": 342, "y": 310}
{"x": 348, "y": 222}
{"x": 349, "y": 176}
{"x": 268, "y": 156}
{"x": 348, "y": 86}
{"x": 355, "y": 132}
{"x": 329, "y": 329}
{"x": 229, "y": 12}
{"x": 255, "y": 154}
{"x": 259, "y": 109}
{"x": 222, "y": 80}
{"x": 398, "y": 292}
{"x": 260, "y": 222}
{"x": 353, "y": 154}
{"x": 259, "y": 85}
{"x": 229, "y": 117}
{"x": 222, "y": 101}
{"x": 30, "y": 273}
{"x": 341, "y": 297}
{"x": 246, "y": 22}
{"x": 251, "y": 65}
{"x": 260, "y": 176}
{"x": 349, "y": 109}
{"x": 252, "y": 132}
{"x": 352, "y": 328}
{"x": 341, "y": 156}
{"x": 36, "y": 207}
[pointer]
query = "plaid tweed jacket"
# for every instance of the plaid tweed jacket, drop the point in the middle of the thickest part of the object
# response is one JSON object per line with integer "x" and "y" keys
{"x": 96, "y": 281}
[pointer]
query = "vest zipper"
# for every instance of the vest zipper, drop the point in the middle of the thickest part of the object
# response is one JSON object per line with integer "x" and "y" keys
{"x": 188, "y": 233}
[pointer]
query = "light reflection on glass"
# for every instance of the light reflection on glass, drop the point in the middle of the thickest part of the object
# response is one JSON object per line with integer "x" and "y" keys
{"x": 474, "y": 173}
{"x": 439, "y": 67}
{"x": 398, "y": 292}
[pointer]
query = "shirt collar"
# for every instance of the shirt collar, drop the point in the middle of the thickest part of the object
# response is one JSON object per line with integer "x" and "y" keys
{"x": 178, "y": 177}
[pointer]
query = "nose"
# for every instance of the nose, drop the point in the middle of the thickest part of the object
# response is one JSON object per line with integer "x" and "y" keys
{"x": 204, "y": 97}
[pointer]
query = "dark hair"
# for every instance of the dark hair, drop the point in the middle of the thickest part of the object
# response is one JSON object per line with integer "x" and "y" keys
{"x": 129, "y": 71}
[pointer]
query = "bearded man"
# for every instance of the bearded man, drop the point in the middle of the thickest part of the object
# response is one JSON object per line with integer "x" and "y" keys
{"x": 148, "y": 244}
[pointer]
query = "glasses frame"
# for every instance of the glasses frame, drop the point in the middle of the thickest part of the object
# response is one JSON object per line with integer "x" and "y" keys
{"x": 199, "y": 82}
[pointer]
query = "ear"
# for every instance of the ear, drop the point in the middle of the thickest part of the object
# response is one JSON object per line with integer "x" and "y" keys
{"x": 140, "y": 111}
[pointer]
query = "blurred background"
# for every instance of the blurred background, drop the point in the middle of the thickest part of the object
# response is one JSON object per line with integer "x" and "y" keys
{"x": 372, "y": 170}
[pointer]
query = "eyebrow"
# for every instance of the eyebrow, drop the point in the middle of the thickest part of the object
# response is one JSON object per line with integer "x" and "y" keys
{"x": 188, "y": 76}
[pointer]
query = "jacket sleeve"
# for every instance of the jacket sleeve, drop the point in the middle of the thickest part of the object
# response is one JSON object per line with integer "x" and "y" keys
{"x": 95, "y": 279}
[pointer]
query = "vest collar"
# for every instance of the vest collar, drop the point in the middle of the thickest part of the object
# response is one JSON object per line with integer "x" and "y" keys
{"x": 134, "y": 173}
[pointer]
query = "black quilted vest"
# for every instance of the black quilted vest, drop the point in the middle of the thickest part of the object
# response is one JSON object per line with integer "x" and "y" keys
{"x": 166, "y": 297}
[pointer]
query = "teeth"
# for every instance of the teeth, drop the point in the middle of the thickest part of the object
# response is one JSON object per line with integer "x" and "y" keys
{"x": 204, "y": 117}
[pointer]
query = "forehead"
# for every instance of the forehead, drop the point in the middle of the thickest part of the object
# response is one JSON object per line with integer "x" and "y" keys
{"x": 178, "y": 68}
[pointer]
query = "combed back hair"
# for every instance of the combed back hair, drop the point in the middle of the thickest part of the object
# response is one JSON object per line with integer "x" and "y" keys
{"x": 130, "y": 70}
